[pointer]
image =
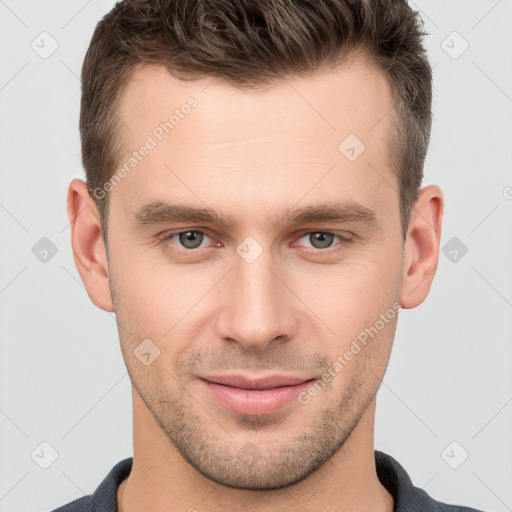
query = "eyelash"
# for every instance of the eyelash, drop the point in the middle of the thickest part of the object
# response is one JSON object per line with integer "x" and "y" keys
{"x": 168, "y": 237}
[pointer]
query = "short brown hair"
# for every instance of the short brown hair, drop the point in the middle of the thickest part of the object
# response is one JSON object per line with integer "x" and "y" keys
{"x": 250, "y": 44}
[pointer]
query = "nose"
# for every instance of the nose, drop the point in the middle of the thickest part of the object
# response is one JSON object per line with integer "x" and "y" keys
{"x": 257, "y": 306}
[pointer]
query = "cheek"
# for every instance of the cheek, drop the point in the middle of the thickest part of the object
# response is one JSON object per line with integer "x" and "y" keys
{"x": 352, "y": 299}
{"x": 146, "y": 288}
{"x": 163, "y": 303}
{"x": 351, "y": 305}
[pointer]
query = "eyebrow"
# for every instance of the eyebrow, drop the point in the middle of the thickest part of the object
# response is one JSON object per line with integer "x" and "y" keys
{"x": 159, "y": 212}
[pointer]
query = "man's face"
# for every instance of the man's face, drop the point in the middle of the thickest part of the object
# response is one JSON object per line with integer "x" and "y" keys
{"x": 262, "y": 294}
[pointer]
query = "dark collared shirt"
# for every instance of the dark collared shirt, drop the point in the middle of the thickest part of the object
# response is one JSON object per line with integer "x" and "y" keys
{"x": 391, "y": 474}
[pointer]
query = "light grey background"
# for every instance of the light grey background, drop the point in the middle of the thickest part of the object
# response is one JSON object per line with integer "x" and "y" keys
{"x": 62, "y": 377}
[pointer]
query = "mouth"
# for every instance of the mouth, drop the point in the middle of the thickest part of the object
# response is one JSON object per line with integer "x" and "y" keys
{"x": 254, "y": 396}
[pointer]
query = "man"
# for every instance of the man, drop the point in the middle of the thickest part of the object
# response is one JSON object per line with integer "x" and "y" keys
{"x": 253, "y": 216}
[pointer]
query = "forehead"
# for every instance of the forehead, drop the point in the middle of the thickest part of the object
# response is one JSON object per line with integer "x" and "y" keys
{"x": 206, "y": 133}
{"x": 355, "y": 96}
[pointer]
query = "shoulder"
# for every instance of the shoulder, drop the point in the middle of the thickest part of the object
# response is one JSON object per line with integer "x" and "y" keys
{"x": 84, "y": 504}
{"x": 406, "y": 496}
{"x": 444, "y": 507}
{"x": 427, "y": 503}
{"x": 104, "y": 498}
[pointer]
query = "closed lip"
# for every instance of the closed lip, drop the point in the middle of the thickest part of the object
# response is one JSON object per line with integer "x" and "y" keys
{"x": 256, "y": 383}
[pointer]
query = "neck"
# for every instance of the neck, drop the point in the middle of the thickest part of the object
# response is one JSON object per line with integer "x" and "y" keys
{"x": 162, "y": 480}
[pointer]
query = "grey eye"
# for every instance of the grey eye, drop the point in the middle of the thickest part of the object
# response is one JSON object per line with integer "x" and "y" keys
{"x": 321, "y": 240}
{"x": 191, "y": 239}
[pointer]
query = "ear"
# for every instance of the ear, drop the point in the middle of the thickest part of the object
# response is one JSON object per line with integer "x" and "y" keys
{"x": 422, "y": 246}
{"x": 87, "y": 243}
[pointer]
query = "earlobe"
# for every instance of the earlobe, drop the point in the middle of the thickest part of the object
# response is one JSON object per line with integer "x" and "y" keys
{"x": 87, "y": 244}
{"x": 422, "y": 246}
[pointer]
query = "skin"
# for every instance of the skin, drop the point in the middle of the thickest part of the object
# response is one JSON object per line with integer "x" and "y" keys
{"x": 292, "y": 310}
